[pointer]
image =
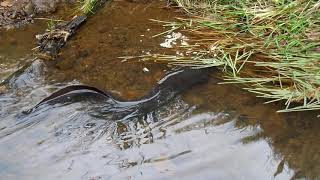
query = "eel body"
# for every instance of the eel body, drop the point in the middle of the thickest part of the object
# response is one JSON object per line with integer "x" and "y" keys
{"x": 166, "y": 89}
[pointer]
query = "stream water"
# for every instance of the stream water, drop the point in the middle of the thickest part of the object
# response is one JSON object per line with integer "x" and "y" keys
{"x": 211, "y": 131}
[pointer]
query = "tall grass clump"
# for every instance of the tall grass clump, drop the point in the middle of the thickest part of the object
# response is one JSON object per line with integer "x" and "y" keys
{"x": 271, "y": 47}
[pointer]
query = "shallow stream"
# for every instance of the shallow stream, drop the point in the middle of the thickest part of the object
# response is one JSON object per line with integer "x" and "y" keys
{"x": 212, "y": 131}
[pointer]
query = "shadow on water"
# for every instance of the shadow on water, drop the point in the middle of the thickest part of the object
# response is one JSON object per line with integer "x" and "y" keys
{"x": 210, "y": 132}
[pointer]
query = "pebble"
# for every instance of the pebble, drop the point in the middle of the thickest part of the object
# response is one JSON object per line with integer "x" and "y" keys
{"x": 145, "y": 69}
{"x": 29, "y": 8}
{"x": 7, "y": 3}
{"x": 2, "y": 89}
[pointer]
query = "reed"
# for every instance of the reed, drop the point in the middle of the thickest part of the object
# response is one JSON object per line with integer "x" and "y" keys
{"x": 271, "y": 47}
{"x": 87, "y": 6}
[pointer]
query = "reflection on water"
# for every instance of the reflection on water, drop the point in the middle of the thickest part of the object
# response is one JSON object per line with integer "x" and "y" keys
{"x": 293, "y": 137}
{"x": 211, "y": 132}
{"x": 176, "y": 140}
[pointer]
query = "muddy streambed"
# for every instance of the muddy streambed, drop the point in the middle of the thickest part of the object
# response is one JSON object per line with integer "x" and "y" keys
{"x": 209, "y": 132}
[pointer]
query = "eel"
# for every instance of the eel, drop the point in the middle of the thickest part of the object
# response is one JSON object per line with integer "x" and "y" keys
{"x": 166, "y": 89}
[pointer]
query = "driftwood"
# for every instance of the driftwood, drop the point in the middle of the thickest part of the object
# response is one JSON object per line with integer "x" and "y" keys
{"x": 50, "y": 43}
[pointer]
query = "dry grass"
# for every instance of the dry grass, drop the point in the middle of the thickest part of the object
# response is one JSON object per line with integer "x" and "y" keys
{"x": 272, "y": 47}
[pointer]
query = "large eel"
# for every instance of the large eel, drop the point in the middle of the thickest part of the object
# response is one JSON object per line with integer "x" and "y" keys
{"x": 166, "y": 89}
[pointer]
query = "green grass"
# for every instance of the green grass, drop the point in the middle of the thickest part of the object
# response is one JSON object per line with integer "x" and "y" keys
{"x": 87, "y": 6}
{"x": 271, "y": 47}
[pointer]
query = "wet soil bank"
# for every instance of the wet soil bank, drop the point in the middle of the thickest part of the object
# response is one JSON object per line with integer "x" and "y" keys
{"x": 17, "y": 13}
{"x": 210, "y": 132}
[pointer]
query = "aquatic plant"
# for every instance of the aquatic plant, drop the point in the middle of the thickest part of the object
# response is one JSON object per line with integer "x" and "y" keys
{"x": 51, "y": 23}
{"x": 87, "y": 6}
{"x": 271, "y": 47}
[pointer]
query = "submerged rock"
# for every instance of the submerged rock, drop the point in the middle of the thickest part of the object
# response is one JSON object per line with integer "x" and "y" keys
{"x": 3, "y": 89}
{"x": 45, "y": 5}
{"x": 13, "y": 13}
